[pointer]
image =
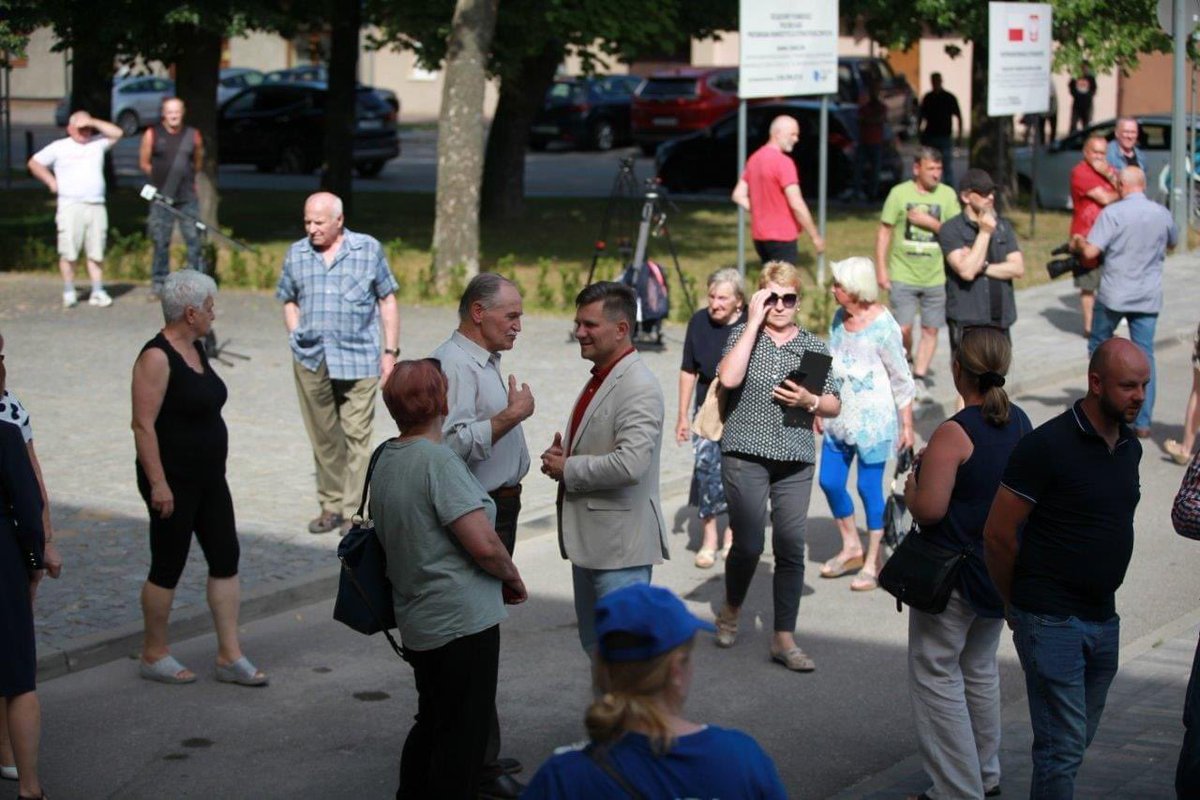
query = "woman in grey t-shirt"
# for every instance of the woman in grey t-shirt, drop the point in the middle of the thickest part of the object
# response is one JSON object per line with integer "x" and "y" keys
{"x": 451, "y": 577}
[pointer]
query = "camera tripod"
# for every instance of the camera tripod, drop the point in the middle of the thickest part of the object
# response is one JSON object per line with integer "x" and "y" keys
{"x": 652, "y": 221}
{"x": 212, "y": 348}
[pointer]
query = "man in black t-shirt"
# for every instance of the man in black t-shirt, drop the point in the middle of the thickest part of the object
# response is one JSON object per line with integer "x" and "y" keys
{"x": 1083, "y": 91}
{"x": 1073, "y": 483}
{"x": 982, "y": 261}
{"x": 935, "y": 122}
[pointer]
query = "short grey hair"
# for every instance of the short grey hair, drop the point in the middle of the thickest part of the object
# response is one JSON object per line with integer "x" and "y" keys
{"x": 857, "y": 276}
{"x": 483, "y": 289}
{"x": 187, "y": 287}
{"x": 731, "y": 276}
{"x": 926, "y": 153}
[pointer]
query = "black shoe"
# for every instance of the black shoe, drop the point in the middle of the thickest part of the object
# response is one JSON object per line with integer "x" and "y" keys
{"x": 501, "y": 787}
{"x": 504, "y": 766}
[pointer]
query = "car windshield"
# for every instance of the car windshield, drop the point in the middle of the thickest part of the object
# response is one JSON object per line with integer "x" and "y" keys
{"x": 670, "y": 88}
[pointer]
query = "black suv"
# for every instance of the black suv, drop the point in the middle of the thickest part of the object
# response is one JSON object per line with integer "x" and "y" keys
{"x": 282, "y": 126}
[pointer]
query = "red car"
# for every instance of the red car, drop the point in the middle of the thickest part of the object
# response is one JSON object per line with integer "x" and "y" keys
{"x": 680, "y": 101}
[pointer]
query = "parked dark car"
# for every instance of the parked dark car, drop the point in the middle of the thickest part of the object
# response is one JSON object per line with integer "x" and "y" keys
{"x": 681, "y": 101}
{"x": 233, "y": 79}
{"x": 708, "y": 159}
{"x": 586, "y": 112}
{"x": 282, "y": 126}
{"x": 854, "y": 75}
{"x": 319, "y": 73}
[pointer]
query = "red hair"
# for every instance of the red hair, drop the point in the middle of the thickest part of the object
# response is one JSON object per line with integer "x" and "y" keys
{"x": 415, "y": 393}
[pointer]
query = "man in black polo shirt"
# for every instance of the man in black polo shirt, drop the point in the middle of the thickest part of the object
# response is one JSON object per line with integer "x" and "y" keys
{"x": 1073, "y": 483}
{"x": 982, "y": 259}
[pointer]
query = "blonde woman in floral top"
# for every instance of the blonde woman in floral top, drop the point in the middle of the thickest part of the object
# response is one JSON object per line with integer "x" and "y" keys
{"x": 877, "y": 387}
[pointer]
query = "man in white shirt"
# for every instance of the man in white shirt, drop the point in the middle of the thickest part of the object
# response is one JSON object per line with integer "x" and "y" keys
{"x": 483, "y": 427}
{"x": 73, "y": 169}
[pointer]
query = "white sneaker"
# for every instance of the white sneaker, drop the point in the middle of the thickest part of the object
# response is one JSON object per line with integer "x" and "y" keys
{"x": 100, "y": 298}
{"x": 70, "y": 299}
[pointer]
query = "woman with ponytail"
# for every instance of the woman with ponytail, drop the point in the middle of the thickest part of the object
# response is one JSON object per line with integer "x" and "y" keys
{"x": 640, "y": 744}
{"x": 953, "y": 680}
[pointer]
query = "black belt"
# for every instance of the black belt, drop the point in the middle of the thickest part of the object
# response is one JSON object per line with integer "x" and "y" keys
{"x": 506, "y": 492}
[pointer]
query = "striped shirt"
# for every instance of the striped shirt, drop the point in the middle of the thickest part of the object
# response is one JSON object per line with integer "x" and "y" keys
{"x": 339, "y": 305}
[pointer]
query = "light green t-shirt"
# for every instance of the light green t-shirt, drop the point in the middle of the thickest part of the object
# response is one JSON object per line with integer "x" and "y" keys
{"x": 915, "y": 257}
{"x": 440, "y": 594}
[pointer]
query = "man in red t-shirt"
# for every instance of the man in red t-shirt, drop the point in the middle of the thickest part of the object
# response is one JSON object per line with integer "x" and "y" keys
{"x": 1093, "y": 186}
{"x": 770, "y": 192}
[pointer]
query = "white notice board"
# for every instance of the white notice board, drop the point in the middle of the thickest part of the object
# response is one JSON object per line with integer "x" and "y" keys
{"x": 1019, "y": 47}
{"x": 788, "y": 47}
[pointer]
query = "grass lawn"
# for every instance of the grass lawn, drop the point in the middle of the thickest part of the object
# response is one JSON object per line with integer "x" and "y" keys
{"x": 547, "y": 253}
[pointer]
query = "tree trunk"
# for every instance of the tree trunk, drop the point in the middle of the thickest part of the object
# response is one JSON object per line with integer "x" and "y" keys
{"x": 521, "y": 97}
{"x": 337, "y": 176}
{"x": 460, "y": 140}
{"x": 197, "y": 66}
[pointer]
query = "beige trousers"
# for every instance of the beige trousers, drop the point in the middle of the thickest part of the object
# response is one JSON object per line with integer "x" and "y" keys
{"x": 338, "y": 415}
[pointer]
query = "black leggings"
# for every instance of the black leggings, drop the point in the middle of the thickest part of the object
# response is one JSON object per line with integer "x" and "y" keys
{"x": 203, "y": 508}
{"x": 456, "y": 699}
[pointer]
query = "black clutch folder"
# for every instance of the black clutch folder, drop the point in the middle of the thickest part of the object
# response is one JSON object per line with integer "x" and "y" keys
{"x": 811, "y": 374}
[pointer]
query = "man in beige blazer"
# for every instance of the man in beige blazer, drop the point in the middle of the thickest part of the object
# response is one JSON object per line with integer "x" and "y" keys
{"x": 610, "y": 519}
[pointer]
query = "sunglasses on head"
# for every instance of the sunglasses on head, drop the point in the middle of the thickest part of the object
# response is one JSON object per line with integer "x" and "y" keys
{"x": 789, "y": 299}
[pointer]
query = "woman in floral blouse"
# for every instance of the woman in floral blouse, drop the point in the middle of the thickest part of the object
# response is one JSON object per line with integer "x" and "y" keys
{"x": 876, "y": 383}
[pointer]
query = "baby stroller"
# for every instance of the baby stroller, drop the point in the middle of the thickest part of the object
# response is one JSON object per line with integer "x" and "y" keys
{"x": 897, "y": 522}
{"x": 653, "y": 302}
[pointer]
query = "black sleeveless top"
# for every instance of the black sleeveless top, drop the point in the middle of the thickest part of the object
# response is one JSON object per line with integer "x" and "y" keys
{"x": 975, "y": 486}
{"x": 164, "y": 152}
{"x": 192, "y": 439}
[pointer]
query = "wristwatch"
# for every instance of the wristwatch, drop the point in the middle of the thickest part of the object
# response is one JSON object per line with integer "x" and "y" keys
{"x": 394, "y": 352}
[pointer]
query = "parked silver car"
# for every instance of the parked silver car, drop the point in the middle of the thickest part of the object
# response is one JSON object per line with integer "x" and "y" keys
{"x": 136, "y": 102}
{"x": 1056, "y": 161}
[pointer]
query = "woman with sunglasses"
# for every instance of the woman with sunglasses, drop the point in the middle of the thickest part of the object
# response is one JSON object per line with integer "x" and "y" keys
{"x": 765, "y": 456}
{"x": 451, "y": 576}
{"x": 877, "y": 386}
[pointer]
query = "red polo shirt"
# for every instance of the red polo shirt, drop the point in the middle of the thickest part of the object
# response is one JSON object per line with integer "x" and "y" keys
{"x": 589, "y": 391}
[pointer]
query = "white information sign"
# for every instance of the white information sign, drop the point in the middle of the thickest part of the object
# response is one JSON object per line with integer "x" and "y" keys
{"x": 788, "y": 47}
{"x": 1019, "y": 47}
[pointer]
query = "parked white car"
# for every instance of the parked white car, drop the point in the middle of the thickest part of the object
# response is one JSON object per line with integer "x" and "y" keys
{"x": 136, "y": 102}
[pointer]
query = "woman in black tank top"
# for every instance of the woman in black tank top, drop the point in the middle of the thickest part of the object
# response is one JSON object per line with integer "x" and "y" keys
{"x": 953, "y": 680}
{"x": 181, "y": 444}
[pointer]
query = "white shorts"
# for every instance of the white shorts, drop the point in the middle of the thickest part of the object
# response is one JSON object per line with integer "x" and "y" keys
{"x": 82, "y": 226}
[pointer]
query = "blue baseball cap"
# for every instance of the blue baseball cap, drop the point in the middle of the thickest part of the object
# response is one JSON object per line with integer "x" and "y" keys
{"x": 652, "y": 614}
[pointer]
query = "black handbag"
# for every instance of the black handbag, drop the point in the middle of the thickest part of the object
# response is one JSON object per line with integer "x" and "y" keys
{"x": 364, "y": 598}
{"x": 922, "y": 573}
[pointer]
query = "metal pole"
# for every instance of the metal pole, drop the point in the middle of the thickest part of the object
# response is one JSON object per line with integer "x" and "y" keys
{"x": 741, "y": 157}
{"x": 823, "y": 181}
{"x": 1037, "y": 140}
{"x": 1182, "y": 32}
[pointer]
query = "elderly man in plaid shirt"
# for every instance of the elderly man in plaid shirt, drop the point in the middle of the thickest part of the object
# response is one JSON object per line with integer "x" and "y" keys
{"x": 336, "y": 286}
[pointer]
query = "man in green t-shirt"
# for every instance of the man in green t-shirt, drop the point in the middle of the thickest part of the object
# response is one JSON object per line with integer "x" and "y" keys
{"x": 910, "y": 266}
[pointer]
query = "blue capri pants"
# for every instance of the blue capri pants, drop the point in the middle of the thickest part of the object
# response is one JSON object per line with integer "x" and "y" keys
{"x": 835, "y": 471}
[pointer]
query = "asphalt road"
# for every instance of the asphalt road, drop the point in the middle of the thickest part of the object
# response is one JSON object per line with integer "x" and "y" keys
{"x": 334, "y": 718}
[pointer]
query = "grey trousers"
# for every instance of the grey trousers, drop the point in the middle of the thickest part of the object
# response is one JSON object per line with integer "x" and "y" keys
{"x": 955, "y": 690}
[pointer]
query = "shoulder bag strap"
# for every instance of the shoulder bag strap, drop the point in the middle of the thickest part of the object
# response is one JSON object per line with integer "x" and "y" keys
{"x": 362, "y": 503}
{"x": 177, "y": 169}
{"x": 599, "y": 757}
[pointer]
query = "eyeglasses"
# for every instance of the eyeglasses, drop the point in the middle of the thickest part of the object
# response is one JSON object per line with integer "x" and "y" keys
{"x": 789, "y": 299}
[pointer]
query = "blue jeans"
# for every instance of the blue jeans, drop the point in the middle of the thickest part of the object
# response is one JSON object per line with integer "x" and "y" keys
{"x": 161, "y": 224}
{"x": 1069, "y": 664}
{"x": 1141, "y": 332}
{"x": 590, "y": 586}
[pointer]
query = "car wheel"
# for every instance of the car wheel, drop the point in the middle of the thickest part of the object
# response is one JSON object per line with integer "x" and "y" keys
{"x": 293, "y": 161}
{"x": 602, "y": 135}
{"x": 129, "y": 123}
{"x": 649, "y": 148}
{"x": 369, "y": 169}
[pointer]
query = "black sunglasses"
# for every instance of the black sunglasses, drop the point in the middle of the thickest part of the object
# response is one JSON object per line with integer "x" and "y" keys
{"x": 789, "y": 299}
